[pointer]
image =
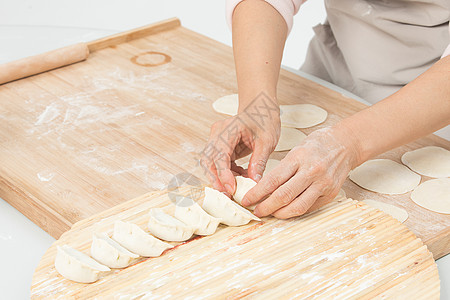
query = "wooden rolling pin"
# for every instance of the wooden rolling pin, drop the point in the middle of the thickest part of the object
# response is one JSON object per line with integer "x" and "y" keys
{"x": 43, "y": 62}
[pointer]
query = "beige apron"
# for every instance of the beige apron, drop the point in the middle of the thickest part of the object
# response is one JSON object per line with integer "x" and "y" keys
{"x": 373, "y": 47}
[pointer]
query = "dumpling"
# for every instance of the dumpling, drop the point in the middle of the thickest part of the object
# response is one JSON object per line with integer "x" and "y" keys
{"x": 108, "y": 252}
{"x": 243, "y": 185}
{"x": 220, "y": 206}
{"x": 193, "y": 215}
{"x": 167, "y": 227}
{"x": 77, "y": 266}
{"x": 136, "y": 240}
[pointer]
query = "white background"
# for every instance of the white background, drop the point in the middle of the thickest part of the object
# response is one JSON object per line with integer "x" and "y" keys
{"x": 29, "y": 27}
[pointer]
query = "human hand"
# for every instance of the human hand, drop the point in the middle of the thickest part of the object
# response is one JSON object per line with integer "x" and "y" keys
{"x": 308, "y": 177}
{"x": 235, "y": 137}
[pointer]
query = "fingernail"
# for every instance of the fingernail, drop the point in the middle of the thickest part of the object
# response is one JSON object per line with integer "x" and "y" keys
{"x": 244, "y": 202}
{"x": 258, "y": 177}
{"x": 229, "y": 189}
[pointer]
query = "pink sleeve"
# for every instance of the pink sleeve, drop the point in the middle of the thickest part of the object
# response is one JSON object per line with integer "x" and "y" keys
{"x": 286, "y": 8}
{"x": 447, "y": 51}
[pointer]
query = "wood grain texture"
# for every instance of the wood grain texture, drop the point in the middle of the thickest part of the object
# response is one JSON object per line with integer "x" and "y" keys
{"x": 33, "y": 65}
{"x": 346, "y": 250}
{"x": 78, "y": 140}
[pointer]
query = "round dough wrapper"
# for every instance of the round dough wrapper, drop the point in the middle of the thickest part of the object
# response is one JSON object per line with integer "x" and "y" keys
{"x": 385, "y": 176}
{"x": 302, "y": 115}
{"x": 433, "y": 195}
{"x": 289, "y": 138}
{"x": 430, "y": 161}
{"x": 227, "y": 105}
{"x": 396, "y": 212}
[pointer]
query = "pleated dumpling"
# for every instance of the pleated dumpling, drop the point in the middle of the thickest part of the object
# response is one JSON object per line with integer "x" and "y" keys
{"x": 193, "y": 215}
{"x": 167, "y": 227}
{"x": 243, "y": 185}
{"x": 77, "y": 266}
{"x": 136, "y": 240}
{"x": 109, "y": 252}
{"x": 220, "y": 206}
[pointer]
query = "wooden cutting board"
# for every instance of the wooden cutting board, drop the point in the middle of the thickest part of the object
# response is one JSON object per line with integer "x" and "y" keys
{"x": 84, "y": 138}
{"x": 346, "y": 250}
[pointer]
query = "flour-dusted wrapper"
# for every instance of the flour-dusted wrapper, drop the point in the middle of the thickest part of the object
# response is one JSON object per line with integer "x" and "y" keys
{"x": 302, "y": 115}
{"x": 243, "y": 185}
{"x": 110, "y": 253}
{"x": 136, "y": 240}
{"x": 167, "y": 227}
{"x": 189, "y": 212}
{"x": 220, "y": 206}
{"x": 77, "y": 266}
{"x": 385, "y": 176}
{"x": 430, "y": 161}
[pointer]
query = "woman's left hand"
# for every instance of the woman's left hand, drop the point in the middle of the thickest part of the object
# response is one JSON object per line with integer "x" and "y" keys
{"x": 308, "y": 177}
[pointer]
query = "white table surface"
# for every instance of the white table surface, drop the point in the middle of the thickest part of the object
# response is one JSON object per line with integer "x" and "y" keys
{"x": 29, "y": 27}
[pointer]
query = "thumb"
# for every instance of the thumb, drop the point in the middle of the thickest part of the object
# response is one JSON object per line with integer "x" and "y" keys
{"x": 258, "y": 160}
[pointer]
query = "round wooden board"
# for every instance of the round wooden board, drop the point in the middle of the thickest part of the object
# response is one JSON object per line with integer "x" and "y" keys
{"x": 344, "y": 250}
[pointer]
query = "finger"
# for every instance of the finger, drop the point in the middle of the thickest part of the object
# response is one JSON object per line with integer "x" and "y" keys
{"x": 283, "y": 195}
{"x": 258, "y": 160}
{"x": 321, "y": 201}
{"x": 223, "y": 167}
{"x": 300, "y": 205}
{"x": 210, "y": 171}
{"x": 269, "y": 183}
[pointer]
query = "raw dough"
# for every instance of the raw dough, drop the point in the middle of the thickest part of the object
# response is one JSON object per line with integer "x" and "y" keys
{"x": 289, "y": 138}
{"x": 302, "y": 115}
{"x": 77, "y": 266}
{"x": 227, "y": 105}
{"x": 396, "y": 212}
{"x": 220, "y": 206}
{"x": 433, "y": 195}
{"x": 136, "y": 240}
{"x": 108, "y": 252}
{"x": 385, "y": 176}
{"x": 189, "y": 212}
{"x": 243, "y": 185}
{"x": 341, "y": 195}
{"x": 167, "y": 227}
{"x": 430, "y": 161}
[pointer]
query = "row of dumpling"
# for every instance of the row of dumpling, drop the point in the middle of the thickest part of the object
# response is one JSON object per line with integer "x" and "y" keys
{"x": 129, "y": 241}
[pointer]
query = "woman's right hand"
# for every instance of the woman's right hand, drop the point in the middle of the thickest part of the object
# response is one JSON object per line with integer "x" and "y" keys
{"x": 251, "y": 131}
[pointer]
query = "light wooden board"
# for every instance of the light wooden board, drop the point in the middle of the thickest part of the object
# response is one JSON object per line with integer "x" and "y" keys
{"x": 346, "y": 250}
{"x": 78, "y": 140}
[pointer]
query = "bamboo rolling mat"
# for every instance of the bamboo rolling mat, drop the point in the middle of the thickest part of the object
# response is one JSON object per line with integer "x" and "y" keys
{"x": 345, "y": 250}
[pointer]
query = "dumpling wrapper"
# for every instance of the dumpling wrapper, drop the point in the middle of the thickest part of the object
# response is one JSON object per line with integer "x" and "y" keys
{"x": 433, "y": 195}
{"x": 430, "y": 161}
{"x": 110, "y": 253}
{"x": 77, "y": 266}
{"x": 289, "y": 138}
{"x": 396, "y": 212}
{"x": 136, "y": 240}
{"x": 189, "y": 212}
{"x": 167, "y": 227}
{"x": 220, "y": 206}
{"x": 243, "y": 185}
{"x": 385, "y": 176}
{"x": 227, "y": 104}
{"x": 302, "y": 115}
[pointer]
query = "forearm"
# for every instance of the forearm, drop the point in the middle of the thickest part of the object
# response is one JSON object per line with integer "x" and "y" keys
{"x": 416, "y": 110}
{"x": 259, "y": 34}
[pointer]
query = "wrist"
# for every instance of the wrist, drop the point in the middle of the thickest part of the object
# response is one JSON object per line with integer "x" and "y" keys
{"x": 347, "y": 137}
